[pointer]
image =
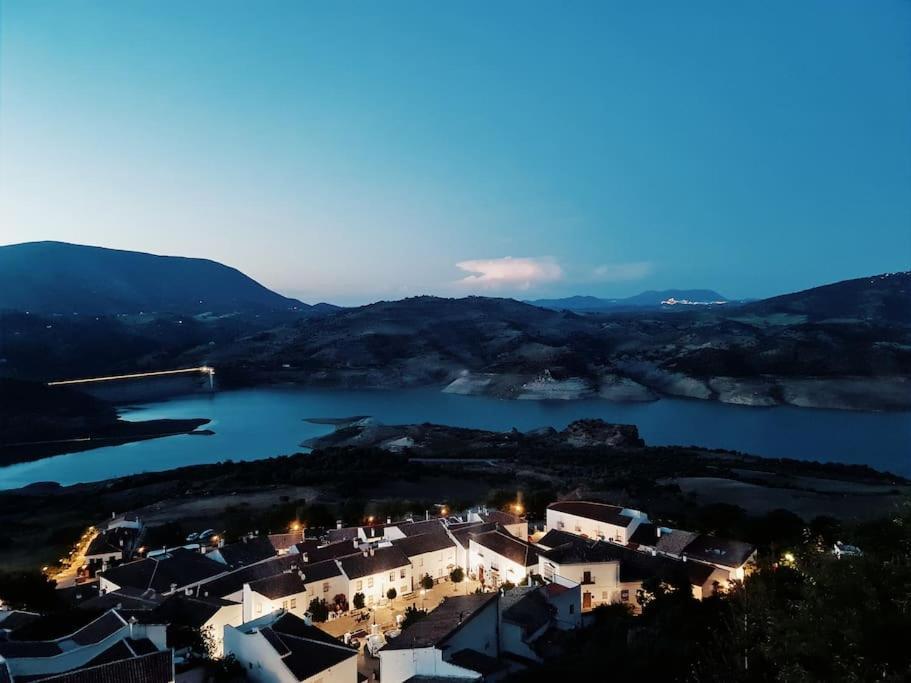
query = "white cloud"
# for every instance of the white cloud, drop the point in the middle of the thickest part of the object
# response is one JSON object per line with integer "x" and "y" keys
{"x": 622, "y": 272}
{"x": 509, "y": 272}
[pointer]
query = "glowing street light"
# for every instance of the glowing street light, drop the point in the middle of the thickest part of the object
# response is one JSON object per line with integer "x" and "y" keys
{"x": 295, "y": 526}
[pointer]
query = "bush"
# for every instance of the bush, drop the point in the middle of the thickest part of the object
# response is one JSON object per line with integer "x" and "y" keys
{"x": 358, "y": 601}
{"x": 427, "y": 582}
{"x": 412, "y": 615}
{"x": 457, "y": 575}
{"x": 391, "y": 593}
{"x": 319, "y": 610}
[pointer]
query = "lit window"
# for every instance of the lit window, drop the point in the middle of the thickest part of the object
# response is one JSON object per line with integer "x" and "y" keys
{"x": 370, "y": 582}
{"x": 624, "y": 595}
{"x": 360, "y": 586}
{"x": 402, "y": 573}
{"x": 293, "y": 603}
{"x": 391, "y": 577}
{"x": 284, "y": 604}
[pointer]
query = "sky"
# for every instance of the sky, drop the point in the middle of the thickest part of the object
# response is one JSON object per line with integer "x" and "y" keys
{"x": 355, "y": 151}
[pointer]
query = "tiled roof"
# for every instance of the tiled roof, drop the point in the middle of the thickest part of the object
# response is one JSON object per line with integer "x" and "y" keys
{"x": 247, "y": 551}
{"x": 508, "y": 546}
{"x": 234, "y": 581}
{"x": 463, "y": 534}
{"x": 328, "y": 552}
{"x": 476, "y": 661}
{"x": 344, "y": 534}
{"x": 382, "y": 559}
{"x": 155, "y": 667}
{"x": 282, "y": 542}
{"x": 600, "y": 512}
{"x": 93, "y": 632}
{"x": 187, "y": 610}
{"x": 304, "y": 649}
{"x": 636, "y": 566}
{"x": 584, "y": 551}
{"x": 280, "y": 585}
{"x": 10, "y": 620}
{"x": 424, "y": 526}
{"x": 181, "y": 567}
{"x": 501, "y": 517}
{"x": 530, "y": 611}
{"x": 719, "y": 550}
{"x": 441, "y": 623}
{"x": 674, "y": 542}
{"x": 424, "y": 543}
{"x": 556, "y": 537}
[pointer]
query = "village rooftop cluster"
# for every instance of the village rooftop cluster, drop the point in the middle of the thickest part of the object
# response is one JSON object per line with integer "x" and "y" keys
{"x": 474, "y": 596}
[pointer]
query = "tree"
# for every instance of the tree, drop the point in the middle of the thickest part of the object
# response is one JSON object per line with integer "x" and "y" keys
{"x": 319, "y": 610}
{"x": 427, "y": 582}
{"x": 457, "y": 575}
{"x": 507, "y": 585}
{"x": 412, "y": 615}
{"x": 358, "y": 601}
{"x": 29, "y": 590}
{"x": 391, "y": 593}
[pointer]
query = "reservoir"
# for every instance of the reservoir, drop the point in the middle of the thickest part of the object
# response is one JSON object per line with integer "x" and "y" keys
{"x": 263, "y": 422}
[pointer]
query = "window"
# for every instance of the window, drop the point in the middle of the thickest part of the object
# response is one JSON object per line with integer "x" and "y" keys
{"x": 293, "y": 603}
{"x": 391, "y": 577}
{"x": 360, "y": 586}
{"x": 624, "y": 595}
{"x": 586, "y": 577}
{"x": 421, "y": 562}
{"x": 604, "y": 595}
{"x": 370, "y": 582}
{"x": 402, "y": 573}
{"x": 284, "y": 604}
{"x": 572, "y": 608}
{"x": 325, "y": 586}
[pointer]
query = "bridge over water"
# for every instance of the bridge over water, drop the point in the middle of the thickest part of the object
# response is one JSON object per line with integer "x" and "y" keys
{"x": 144, "y": 385}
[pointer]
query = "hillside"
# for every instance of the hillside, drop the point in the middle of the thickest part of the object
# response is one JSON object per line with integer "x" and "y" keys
{"x": 508, "y": 349}
{"x": 56, "y": 277}
{"x": 649, "y": 299}
{"x": 880, "y": 299}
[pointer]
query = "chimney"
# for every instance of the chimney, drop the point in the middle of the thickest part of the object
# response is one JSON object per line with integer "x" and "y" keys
{"x": 388, "y": 520}
{"x": 426, "y": 515}
{"x": 338, "y": 524}
{"x": 365, "y": 553}
{"x": 173, "y": 587}
{"x": 354, "y": 542}
{"x": 308, "y": 620}
{"x": 658, "y": 532}
{"x": 301, "y": 575}
{"x": 306, "y": 559}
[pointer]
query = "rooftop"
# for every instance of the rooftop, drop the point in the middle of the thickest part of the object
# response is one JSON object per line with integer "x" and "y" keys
{"x": 600, "y": 512}
{"x": 424, "y": 543}
{"x": 247, "y": 551}
{"x": 179, "y": 567}
{"x": 719, "y": 550}
{"x": 304, "y": 649}
{"x": 153, "y": 667}
{"x": 381, "y": 560}
{"x": 441, "y": 623}
{"x": 508, "y": 546}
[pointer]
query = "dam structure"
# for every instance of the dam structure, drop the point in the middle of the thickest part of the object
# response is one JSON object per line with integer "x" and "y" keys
{"x": 144, "y": 386}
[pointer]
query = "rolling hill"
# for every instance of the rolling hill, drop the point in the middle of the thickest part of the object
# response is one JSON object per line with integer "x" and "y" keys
{"x": 649, "y": 299}
{"x": 57, "y": 277}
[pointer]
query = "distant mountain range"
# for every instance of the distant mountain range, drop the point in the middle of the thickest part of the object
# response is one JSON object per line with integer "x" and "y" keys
{"x": 649, "y": 299}
{"x": 57, "y": 277}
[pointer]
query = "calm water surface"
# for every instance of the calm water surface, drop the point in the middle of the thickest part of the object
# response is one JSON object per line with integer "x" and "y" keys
{"x": 263, "y": 422}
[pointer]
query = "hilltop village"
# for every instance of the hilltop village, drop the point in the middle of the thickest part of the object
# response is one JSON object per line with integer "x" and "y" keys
{"x": 477, "y": 595}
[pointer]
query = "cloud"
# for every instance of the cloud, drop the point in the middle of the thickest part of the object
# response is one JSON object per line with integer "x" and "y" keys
{"x": 509, "y": 272}
{"x": 622, "y": 272}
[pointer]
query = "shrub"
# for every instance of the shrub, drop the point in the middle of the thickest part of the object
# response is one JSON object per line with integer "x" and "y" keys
{"x": 358, "y": 601}
{"x": 427, "y": 582}
{"x": 319, "y": 610}
{"x": 457, "y": 575}
{"x": 412, "y": 615}
{"x": 391, "y": 593}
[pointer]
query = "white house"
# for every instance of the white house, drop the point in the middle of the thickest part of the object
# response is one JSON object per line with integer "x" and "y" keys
{"x": 431, "y": 554}
{"x": 165, "y": 573}
{"x": 24, "y": 658}
{"x": 461, "y": 534}
{"x": 457, "y": 640}
{"x": 293, "y": 590}
{"x": 373, "y": 572}
{"x": 282, "y": 648}
{"x": 512, "y": 524}
{"x": 495, "y": 557}
{"x": 594, "y": 520}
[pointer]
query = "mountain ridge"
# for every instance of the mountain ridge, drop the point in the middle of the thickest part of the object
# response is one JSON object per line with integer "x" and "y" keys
{"x": 53, "y": 277}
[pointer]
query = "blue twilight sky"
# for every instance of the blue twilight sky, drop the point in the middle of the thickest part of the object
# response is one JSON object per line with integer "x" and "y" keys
{"x": 349, "y": 151}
